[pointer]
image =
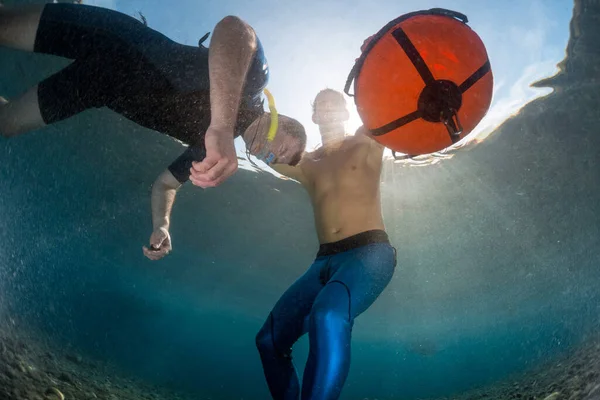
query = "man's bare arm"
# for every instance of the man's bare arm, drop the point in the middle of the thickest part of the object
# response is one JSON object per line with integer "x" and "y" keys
{"x": 231, "y": 50}
{"x": 164, "y": 191}
{"x": 294, "y": 172}
{"x": 232, "y": 47}
{"x": 376, "y": 149}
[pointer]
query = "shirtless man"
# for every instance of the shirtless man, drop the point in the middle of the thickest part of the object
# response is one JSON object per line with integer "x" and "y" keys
{"x": 353, "y": 266}
{"x": 204, "y": 97}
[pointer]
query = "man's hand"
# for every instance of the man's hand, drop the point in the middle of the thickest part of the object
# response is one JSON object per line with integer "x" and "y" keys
{"x": 221, "y": 159}
{"x": 160, "y": 244}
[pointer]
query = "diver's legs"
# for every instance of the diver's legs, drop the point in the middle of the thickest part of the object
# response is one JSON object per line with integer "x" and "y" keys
{"x": 284, "y": 326}
{"x": 18, "y": 29}
{"x": 360, "y": 277}
{"x": 73, "y": 89}
{"x": 20, "y": 115}
{"x": 19, "y": 25}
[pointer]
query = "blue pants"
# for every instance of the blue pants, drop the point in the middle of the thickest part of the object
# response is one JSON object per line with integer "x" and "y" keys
{"x": 344, "y": 280}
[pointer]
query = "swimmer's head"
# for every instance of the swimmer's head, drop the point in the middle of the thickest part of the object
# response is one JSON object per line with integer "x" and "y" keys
{"x": 286, "y": 148}
{"x": 329, "y": 108}
{"x": 330, "y": 113}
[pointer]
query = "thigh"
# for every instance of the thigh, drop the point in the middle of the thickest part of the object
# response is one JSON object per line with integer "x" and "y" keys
{"x": 80, "y": 31}
{"x": 365, "y": 272}
{"x": 288, "y": 316}
{"x": 21, "y": 115}
{"x": 75, "y": 88}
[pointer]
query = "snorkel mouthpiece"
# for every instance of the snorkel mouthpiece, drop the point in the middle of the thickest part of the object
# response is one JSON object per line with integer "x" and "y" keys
{"x": 269, "y": 159}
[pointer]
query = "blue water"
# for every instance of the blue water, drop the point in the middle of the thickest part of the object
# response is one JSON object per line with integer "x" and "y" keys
{"x": 497, "y": 261}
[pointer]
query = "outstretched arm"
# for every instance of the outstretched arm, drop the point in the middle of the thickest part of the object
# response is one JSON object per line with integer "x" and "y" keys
{"x": 164, "y": 191}
{"x": 294, "y": 172}
{"x": 231, "y": 50}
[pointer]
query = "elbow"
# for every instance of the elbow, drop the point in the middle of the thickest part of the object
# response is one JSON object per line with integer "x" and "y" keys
{"x": 165, "y": 182}
{"x": 239, "y": 27}
{"x": 233, "y": 22}
{"x": 158, "y": 187}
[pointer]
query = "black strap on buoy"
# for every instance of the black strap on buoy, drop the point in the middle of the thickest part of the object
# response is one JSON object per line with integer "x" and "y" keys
{"x": 402, "y": 157}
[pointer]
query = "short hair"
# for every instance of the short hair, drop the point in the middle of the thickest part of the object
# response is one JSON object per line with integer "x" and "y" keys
{"x": 339, "y": 95}
{"x": 293, "y": 128}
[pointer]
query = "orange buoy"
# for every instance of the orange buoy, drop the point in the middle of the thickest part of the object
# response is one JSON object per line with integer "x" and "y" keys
{"x": 423, "y": 82}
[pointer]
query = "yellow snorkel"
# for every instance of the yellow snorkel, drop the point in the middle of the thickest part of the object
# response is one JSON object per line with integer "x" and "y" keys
{"x": 266, "y": 154}
{"x": 274, "y": 116}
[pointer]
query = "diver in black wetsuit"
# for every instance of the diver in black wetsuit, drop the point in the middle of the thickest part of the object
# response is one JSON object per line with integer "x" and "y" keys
{"x": 202, "y": 97}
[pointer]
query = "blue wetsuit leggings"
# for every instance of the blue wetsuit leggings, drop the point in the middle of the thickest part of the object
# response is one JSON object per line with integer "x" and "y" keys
{"x": 344, "y": 280}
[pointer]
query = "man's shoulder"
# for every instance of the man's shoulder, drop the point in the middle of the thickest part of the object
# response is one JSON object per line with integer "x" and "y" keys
{"x": 364, "y": 136}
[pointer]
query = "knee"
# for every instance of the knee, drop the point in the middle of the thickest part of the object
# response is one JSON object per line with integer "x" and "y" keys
{"x": 243, "y": 31}
{"x": 6, "y": 128}
{"x": 266, "y": 345}
{"x": 6, "y": 131}
{"x": 264, "y": 339}
{"x": 11, "y": 125}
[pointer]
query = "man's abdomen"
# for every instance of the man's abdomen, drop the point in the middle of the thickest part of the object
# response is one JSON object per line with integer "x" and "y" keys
{"x": 338, "y": 217}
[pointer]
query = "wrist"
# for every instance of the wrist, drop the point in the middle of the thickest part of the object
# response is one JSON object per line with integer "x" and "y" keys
{"x": 221, "y": 128}
{"x": 162, "y": 224}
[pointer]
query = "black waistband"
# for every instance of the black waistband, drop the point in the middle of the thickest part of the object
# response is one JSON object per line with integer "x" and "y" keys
{"x": 353, "y": 242}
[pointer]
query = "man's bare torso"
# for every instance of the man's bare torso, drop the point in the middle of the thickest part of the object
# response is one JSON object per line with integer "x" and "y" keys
{"x": 343, "y": 183}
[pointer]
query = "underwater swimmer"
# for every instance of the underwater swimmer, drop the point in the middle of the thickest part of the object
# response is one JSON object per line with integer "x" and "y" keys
{"x": 353, "y": 266}
{"x": 203, "y": 97}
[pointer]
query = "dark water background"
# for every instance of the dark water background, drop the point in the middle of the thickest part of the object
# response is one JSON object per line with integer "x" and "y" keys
{"x": 497, "y": 249}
